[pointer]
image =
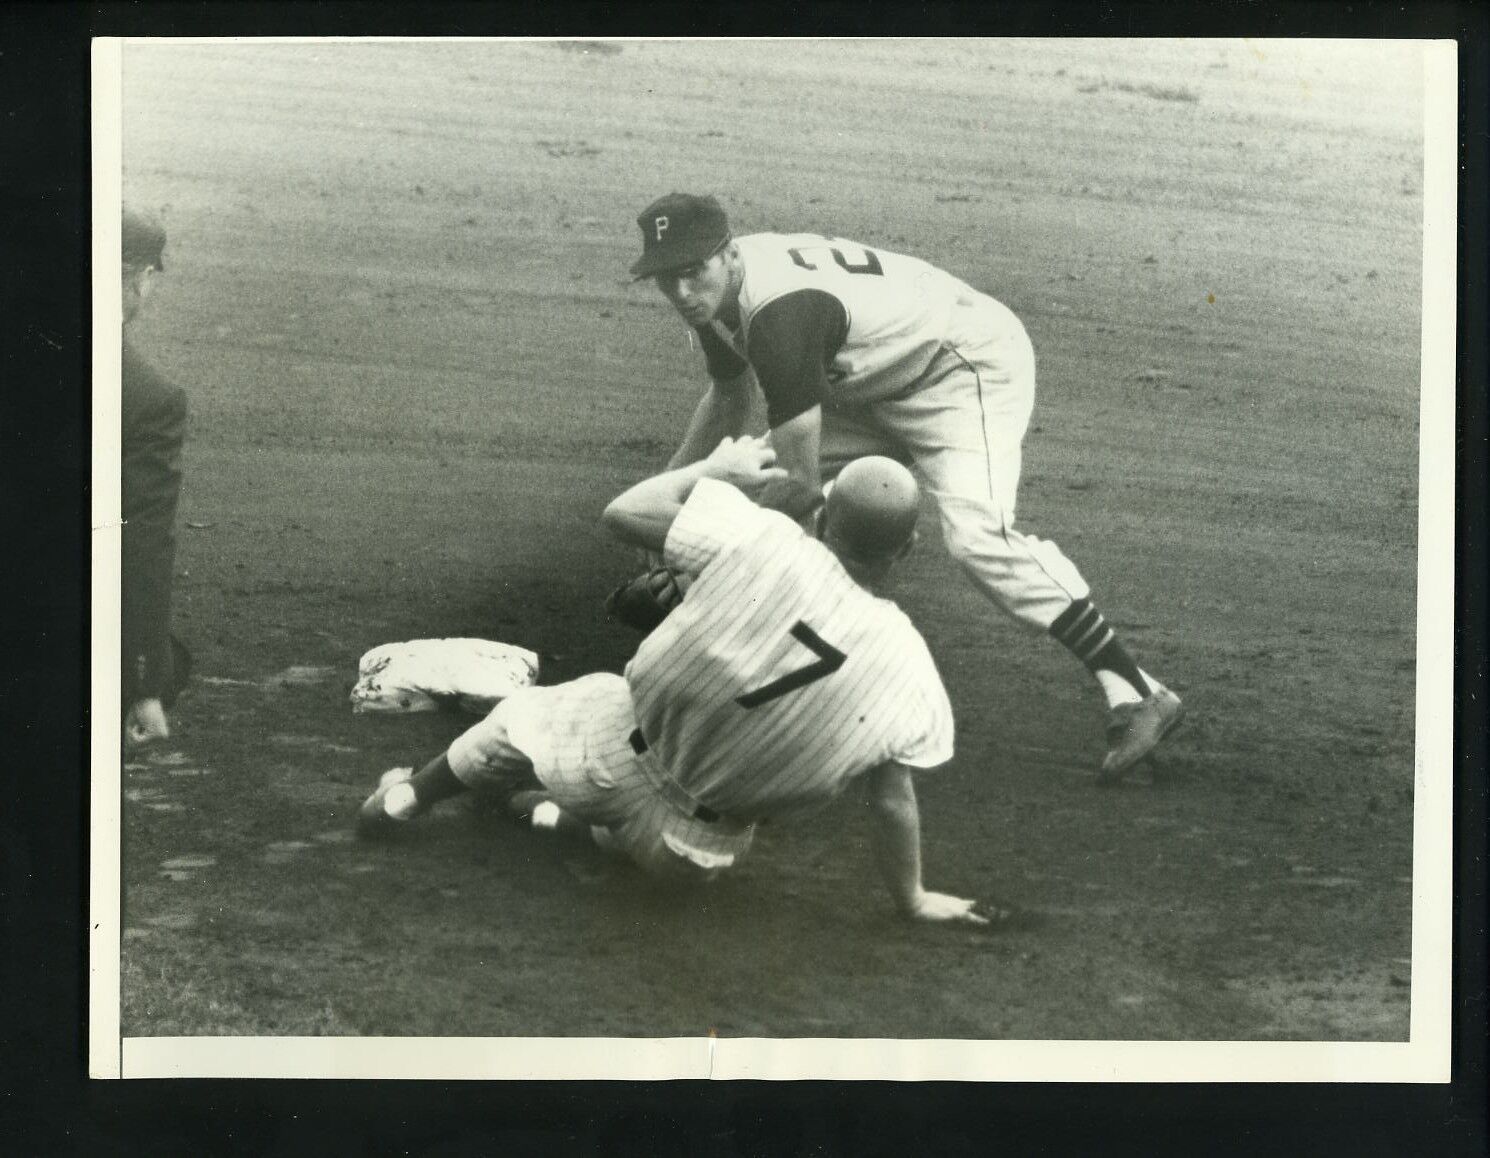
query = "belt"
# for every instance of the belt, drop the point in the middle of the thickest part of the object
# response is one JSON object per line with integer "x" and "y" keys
{"x": 670, "y": 787}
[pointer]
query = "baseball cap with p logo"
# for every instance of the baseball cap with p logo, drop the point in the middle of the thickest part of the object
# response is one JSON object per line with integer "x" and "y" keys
{"x": 677, "y": 231}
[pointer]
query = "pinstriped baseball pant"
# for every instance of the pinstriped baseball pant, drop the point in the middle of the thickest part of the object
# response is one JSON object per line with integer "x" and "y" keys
{"x": 961, "y": 426}
{"x": 575, "y": 737}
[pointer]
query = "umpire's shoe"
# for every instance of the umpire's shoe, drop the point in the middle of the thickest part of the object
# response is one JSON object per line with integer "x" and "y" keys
{"x": 1134, "y": 730}
{"x": 373, "y": 819}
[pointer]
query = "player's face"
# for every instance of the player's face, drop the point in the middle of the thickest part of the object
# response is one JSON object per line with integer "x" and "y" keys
{"x": 698, "y": 292}
{"x": 135, "y": 287}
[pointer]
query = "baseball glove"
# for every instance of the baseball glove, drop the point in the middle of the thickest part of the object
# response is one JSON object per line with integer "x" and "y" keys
{"x": 644, "y": 602}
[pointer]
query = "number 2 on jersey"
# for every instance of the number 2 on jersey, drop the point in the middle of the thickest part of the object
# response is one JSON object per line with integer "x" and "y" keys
{"x": 870, "y": 264}
{"x": 829, "y": 659}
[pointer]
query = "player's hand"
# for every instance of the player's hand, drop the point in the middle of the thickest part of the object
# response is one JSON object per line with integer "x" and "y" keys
{"x": 145, "y": 723}
{"x": 747, "y": 463}
{"x": 942, "y": 907}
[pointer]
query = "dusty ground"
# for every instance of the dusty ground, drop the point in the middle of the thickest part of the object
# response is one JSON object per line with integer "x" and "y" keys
{"x": 396, "y": 293}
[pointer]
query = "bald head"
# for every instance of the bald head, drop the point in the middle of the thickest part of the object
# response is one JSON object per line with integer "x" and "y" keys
{"x": 870, "y": 515}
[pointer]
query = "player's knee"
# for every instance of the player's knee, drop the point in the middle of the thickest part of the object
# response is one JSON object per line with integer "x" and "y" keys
{"x": 976, "y": 532}
{"x": 482, "y": 758}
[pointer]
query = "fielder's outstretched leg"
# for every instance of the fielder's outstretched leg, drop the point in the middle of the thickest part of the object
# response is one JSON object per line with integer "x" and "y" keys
{"x": 972, "y": 471}
{"x": 1035, "y": 583}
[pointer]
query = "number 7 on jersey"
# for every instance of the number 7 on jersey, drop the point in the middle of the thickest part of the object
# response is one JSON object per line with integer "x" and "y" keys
{"x": 829, "y": 659}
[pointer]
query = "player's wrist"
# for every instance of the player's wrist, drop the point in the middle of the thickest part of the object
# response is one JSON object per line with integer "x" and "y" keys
{"x": 712, "y": 467}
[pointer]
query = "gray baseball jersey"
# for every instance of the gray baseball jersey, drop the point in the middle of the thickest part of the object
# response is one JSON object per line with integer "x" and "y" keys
{"x": 910, "y": 362}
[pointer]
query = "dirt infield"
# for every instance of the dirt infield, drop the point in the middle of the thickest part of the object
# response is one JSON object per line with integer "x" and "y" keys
{"x": 396, "y": 294}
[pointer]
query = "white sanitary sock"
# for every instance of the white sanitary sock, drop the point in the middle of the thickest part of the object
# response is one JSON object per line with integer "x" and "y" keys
{"x": 400, "y": 802}
{"x": 1120, "y": 691}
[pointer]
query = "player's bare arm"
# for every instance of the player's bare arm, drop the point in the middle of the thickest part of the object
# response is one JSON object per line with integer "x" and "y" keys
{"x": 722, "y": 412}
{"x": 797, "y": 442}
{"x": 897, "y": 848}
{"x": 643, "y": 515}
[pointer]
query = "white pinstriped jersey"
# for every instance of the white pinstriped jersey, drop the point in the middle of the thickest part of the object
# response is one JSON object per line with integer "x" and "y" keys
{"x": 900, "y": 310}
{"x": 778, "y": 679}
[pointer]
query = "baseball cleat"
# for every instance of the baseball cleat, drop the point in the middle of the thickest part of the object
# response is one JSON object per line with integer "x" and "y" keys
{"x": 1135, "y": 730}
{"x": 373, "y": 821}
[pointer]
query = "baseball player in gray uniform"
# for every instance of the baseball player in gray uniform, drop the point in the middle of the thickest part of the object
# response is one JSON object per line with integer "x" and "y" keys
{"x": 862, "y": 351}
{"x": 777, "y": 681}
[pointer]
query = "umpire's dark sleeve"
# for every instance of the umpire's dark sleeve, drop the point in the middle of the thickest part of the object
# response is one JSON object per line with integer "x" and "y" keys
{"x": 153, "y": 415}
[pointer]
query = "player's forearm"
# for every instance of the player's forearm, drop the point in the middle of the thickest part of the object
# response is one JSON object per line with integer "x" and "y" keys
{"x": 795, "y": 496}
{"x": 797, "y": 442}
{"x": 720, "y": 413}
{"x": 643, "y": 515}
{"x": 896, "y": 834}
